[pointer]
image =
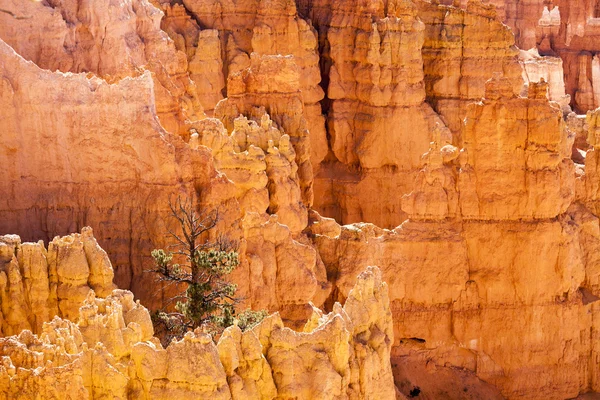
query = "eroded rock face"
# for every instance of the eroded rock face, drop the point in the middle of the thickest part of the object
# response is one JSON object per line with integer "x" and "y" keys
{"x": 564, "y": 28}
{"x": 37, "y": 284}
{"x": 493, "y": 264}
{"x": 523, "y": 140}
{"x": 239, "y": 29}
{"x": 68, "y": 166}
{"x": 463, "y": 48}
{"x": 85, "y": 145}
{"x": 261, "y": 161}
{"x": 376, "y": 91}
{"x": 550, "y": 69}
{"x": 450, "y": 285}
{"x": 389, "y": 65}
{"x": 109, "y": 39}
{"x": 471, "y": 256}
{"x": 271, "y": 84}
{"x": 107, "y": 348}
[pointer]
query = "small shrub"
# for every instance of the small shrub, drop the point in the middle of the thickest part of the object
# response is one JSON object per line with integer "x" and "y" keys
{"x": 208, "y": 300}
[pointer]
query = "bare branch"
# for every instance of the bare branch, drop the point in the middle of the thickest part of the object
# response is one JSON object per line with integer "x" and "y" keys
{"x": 211, "y": 296}
{"x": 15, "y": 16}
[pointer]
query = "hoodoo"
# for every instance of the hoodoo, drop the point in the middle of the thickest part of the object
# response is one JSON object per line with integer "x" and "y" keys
{"x": 399, "y": 198}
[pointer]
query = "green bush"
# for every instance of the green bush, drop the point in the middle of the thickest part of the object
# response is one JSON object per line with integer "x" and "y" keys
{"x": 208, "y": 300}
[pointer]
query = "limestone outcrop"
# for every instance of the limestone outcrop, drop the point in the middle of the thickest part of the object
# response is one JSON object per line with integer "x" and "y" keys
{"x": 576, "y": 41}
{"x": 525, "y": 141}
{"x": 376, "y": 105}
{"x": 522, "y": 140}
{"x": 37, "y": 284}
{"x": 395, "y": 71}
{"x": 112, "y": 40}
{"x": 463, "y": 48}
{"x": 272, "y": 84}
{"x": 384, "y": 67}
{"x": 68, "y": 166}
{"x": 232, "y": 31}
{"x": 484, "y": 193}
{"x": 550, "y": 69}
{"x": 588, "y": 190}
{"x": 85, "y": 144}
{"x": 280, "y": 272}
{"x": 261, "y": 161}
{"x": 472, "y": 255}
{"x": 107, "y": 348}
{"x": 559, "y": 28}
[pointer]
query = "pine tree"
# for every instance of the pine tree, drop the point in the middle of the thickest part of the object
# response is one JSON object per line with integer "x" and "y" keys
{"x": 209, "y": 300}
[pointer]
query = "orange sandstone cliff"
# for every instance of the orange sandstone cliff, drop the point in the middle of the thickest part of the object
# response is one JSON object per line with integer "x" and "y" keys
{"x": 106, "y": 348}
{"x": 433, "y": 139}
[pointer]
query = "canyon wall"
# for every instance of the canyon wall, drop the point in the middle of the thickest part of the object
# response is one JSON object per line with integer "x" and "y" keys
{"x": 462, "y": 50}
{"x": 485, "y": 268}
{"x": 103, "y": 347}
{"x": 73, "y": 145}
{"x": 68, "y": 166}
{"x": 559, "y": 28}
{"x": 109, "y": 39}
{"x": 368, "y": 112}
{"x": 575, "y": 40}
{"x": 394, "y": 71}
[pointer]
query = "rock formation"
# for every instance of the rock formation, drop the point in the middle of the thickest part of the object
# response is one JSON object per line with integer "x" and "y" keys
{"x": 573, "y": 37}
{"x": 107, "y": 349}
{"x": 462, "y": 50}
{"x": 205, "y": 66}
{"x": 86, "y": 145}
{"x": 272, "y": 84}
{"x": 67, "y": 166}
{"x": 484, "y": 193}
{"x": 564, "y": 28}
{"x": 376, "y": 91}
{"x": 36, "y": 284}
{"x": 110, "y": 40}
{"x": 231, "y": 32}
{"x": 472, "y": 254}
{"x": 387, "y": 65}
{"x": 550, "y": 69}
{"x": 527, "y": 146}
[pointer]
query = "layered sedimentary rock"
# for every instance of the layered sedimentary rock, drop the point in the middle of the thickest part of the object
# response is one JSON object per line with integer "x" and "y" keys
{"x": 386, "y": 65}
{"x": 203, "y": 50}
{"x": 550, "y": 69}
{"x": 530, "y": 20}
{"x": 271, "y": 84}
{"x": 232, "y": 31}
{"x": 524, "y": 141}
{"x": 378, "y": 121}
{"x": 285, "y": 272}
{"x": 67, "y": 167}
{"x": 477, "y": 253}
{"x": 107, "y": 349}
{"x": 575, "y": 39}
{"x": 280, "y": 273}
{"x": 260, "y": 160}
{"x": 372, "y": 63}
{"x": 564, "y": 28}
{"x": 463, "y": 48}
{"x": 111, "y": 40}
{"x": 37, "y": 284}
{"x": 494, "y": 275}
{"x": 588, "y": 190}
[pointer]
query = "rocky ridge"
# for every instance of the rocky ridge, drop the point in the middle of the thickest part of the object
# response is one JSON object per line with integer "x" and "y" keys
{"x": 107, "y": 349}
{"x": 375, "y": 112}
